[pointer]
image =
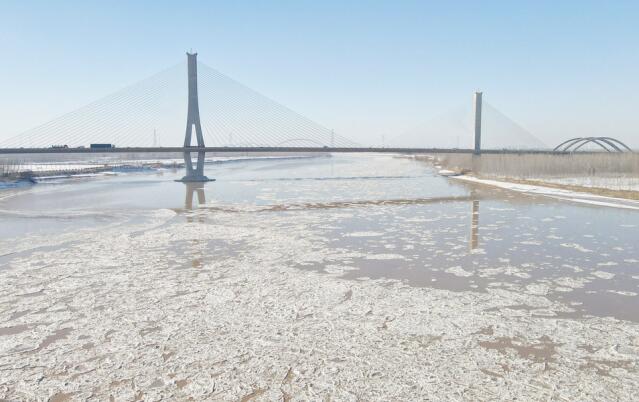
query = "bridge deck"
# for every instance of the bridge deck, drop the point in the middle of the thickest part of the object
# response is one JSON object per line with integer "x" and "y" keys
{"x": 264, "y": 150}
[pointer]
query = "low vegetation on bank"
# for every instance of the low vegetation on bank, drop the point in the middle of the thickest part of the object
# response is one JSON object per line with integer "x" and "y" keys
{"x": 9, "y": 170}
{"x": 614, "y": 174}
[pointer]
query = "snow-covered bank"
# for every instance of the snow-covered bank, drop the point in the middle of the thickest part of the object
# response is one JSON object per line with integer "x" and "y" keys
{"x": 48, "y": 170}
{"x": 558, "y": 193}
{"x": 609, "y": 183}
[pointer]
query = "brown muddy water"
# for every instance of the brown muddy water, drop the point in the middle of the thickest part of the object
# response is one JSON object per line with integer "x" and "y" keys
{"x": 373, "y": 223}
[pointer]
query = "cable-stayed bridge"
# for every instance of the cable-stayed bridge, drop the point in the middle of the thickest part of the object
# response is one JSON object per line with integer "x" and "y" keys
{"x": 456, "y": 128}
{"x": 227, "y": 116}
{"x": 151, "y": 113}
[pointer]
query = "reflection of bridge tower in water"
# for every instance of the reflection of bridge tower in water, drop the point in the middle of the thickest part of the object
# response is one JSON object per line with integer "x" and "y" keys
{"x": 474, "y": 226}
{"x": 191, "y": 190}
{"x": 193, "y": 121}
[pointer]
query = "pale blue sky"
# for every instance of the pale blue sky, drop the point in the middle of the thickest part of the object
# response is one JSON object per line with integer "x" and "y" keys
{"x": 366, "y": 69}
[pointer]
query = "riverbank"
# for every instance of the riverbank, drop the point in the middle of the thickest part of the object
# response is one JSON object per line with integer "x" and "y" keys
{"x": 580, "y": 186}
{"x": 18, "y": 174}
{"x": 585, "y": 195}
{"x": 602, "y": 174}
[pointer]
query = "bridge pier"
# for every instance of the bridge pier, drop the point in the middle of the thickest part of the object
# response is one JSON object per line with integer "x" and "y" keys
{"x": 194, "y": 174}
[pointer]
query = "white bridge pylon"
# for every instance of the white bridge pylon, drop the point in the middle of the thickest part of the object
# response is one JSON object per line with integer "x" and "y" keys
{"x": 193, "y": 121}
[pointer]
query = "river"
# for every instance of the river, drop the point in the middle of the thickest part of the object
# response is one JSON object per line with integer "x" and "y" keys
{"x": 348, "y": 276}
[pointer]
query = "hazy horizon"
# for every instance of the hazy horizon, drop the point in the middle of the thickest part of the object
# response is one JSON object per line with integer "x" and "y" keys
{"x": 365, "y": 70}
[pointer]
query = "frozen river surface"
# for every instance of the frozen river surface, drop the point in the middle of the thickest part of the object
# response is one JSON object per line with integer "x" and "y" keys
{"x": 329, "y": 278}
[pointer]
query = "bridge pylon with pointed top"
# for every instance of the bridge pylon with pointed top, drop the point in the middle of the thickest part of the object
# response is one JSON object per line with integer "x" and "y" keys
{"x": 193, "y": 114}
{"x": 193, "y": 122}
{"x": 477, "y": 114}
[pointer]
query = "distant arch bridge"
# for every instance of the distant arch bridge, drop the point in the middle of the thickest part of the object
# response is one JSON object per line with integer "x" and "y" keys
{"x": 606, "y": 143}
